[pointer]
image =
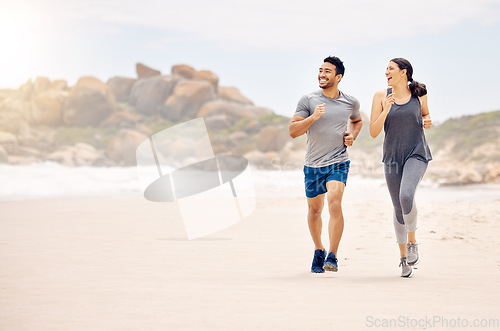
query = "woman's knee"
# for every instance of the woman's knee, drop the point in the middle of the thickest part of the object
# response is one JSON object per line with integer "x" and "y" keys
{"x": 406, "y": 199}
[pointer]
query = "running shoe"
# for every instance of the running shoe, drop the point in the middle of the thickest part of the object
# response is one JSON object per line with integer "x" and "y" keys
{"x": 412, "y": 249}
{"x": 331, "y": 262}
{"x": 406, "y": 269}
{"x": 318, "y": 261}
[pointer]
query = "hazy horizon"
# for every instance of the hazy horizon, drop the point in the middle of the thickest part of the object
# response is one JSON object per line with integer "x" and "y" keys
{"x": 270, "y": 50}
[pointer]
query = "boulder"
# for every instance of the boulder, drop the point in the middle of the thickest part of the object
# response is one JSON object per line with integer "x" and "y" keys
{"x": 41, "y": 85}
{"x": 122, "y": 119}
{"x": 121, "y": 87}
{"x": 217, "y": 122}
{"x": 232, "y": 94}
{"x": 9, "y": 142}
{"x": 122, "y": 148}
{"x": 149, "y": 95}
{"x": 257, "y": 159}
{"x": 90, "y": 101}
{"x": 144, "y": 71}
{"x": 63, "y": 156}
{"x": 189, "y": 73}
{"x": 4, "y": 157}
{"x": 494, "y": 173}
{"x": 26, "y": 151}
{"x": 187, "y": 99}
{"x": 13, "y": 112}
{"x": 47, "y": 107}
{"x": 58, "y": 84}
{"x": 22, "y": 160}
{"x": 25, "y": 90}
{"x": 273, "y": 138}
{"x": 252, "y": 126}
{"x": 86, "y": 155}
{"x": 184, "y": 71}
{"x": 238, "y": 137}
{"x": 233, "y": 111}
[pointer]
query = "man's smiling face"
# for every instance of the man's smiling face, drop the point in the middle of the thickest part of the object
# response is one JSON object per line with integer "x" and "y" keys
{"x": 327, "y": 75}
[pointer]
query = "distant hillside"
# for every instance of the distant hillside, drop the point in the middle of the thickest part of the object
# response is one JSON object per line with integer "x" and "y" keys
{"x": 465, "y": 150}
{"x": 95, "y": 123}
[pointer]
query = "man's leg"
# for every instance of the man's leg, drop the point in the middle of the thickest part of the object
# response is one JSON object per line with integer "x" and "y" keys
{"x": 336, "y": 225}
{"x": 315, "y": 207}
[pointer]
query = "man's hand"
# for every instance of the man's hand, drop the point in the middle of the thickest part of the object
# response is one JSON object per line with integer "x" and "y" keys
{"x": 348, "y": 138}
{"x": 318, "y": 112}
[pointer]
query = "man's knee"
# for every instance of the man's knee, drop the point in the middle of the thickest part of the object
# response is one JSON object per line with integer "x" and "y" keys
{"x": 315, "y": 210}
{"x": 335, "y": 204}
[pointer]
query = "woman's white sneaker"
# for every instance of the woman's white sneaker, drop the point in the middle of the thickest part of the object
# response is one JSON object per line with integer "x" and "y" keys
{"x": 412, "y": 253}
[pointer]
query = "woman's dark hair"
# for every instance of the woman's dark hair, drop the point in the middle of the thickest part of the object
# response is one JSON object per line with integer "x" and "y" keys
{"x": 417, "y": 89}
{"x": 339, "y": 65}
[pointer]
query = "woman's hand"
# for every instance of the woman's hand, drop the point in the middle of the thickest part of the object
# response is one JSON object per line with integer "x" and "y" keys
{"x": 389, "y": 101}
{"x": 427, "y": 122}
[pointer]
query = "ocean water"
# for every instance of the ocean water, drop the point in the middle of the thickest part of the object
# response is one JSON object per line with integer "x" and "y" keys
{"x": 51, "y": 181}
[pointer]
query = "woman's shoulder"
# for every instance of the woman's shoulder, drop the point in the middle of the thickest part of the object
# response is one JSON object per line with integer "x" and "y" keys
{"x": 380, "y": 94}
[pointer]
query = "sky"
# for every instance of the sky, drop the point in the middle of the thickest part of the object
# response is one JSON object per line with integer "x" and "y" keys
{"x": 270, "y": 49}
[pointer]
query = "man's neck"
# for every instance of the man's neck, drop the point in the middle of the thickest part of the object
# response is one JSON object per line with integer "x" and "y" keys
{"x": 332, "y": 92}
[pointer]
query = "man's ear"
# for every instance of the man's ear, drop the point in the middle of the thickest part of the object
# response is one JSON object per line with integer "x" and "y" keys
{"x": 338, "y": 78}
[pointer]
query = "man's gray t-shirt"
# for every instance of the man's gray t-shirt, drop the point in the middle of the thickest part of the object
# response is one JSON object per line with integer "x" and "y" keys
{"x": 325, "y": 137}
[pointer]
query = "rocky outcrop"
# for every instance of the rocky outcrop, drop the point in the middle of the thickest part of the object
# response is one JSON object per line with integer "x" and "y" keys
{"x": 189, "y": 73}
{"x": 48, "y": 107}
{"x": 78, "y": 155}
{"x": 97, "y": 124}
{"x": 4, "y": 157}
{"x": 231, "y": 112}
{"x": 273, "y": 138}
{"x": 187, "y": 99}
{"x": 121, "y": 87}
{"x": 122, "y": 148}
{"x": 89, "y": 102}
{"x": 144, "y": 71}
{"x": 149, "y": 95}
{"x": 232, "y": 94}
{"x": 9, "y": 142}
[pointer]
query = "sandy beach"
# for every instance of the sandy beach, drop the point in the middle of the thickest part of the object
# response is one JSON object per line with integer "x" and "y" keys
{"x": 126, "y": 264}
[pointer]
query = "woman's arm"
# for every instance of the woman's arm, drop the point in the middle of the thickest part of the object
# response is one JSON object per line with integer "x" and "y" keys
{"x": 426, "y": 117}
{"x": 380, "y": 108}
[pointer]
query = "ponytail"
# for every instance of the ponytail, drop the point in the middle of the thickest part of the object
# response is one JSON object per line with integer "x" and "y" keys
{"x": 417, "y": 89}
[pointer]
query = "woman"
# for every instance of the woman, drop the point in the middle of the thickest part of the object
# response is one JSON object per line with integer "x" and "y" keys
{"x": 403, "y": 113}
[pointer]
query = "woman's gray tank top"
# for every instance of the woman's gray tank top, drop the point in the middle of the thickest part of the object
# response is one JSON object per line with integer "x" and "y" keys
{"x": 404, "y": 133}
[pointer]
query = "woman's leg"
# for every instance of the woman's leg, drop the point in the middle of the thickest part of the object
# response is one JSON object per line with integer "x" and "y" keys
{"x": 393, "y": 176}
{"x": 413, "y": 171}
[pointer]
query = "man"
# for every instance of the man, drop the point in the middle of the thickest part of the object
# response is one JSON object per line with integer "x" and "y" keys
{"x": 324, "y": 115}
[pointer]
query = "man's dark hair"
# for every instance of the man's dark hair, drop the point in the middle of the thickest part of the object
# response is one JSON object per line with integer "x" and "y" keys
{"x": 339, "y": 65}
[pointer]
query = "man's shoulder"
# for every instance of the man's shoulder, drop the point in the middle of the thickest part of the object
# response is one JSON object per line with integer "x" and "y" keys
{"x": 313, "y": 94}
{"x": 349, "y": 98}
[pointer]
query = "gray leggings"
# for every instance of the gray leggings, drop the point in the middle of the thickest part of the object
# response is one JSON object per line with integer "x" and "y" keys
{"x": 402, "y": 181}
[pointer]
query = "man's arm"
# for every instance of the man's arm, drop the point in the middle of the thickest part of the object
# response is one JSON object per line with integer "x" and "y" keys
{"x": 353, "y": 131}
{"x": 299, "y": 125}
